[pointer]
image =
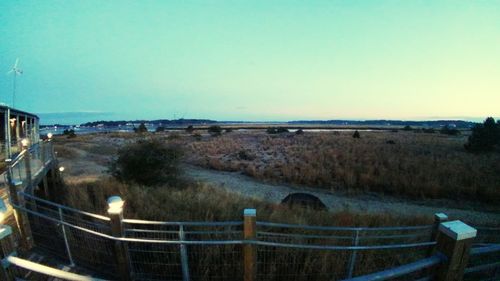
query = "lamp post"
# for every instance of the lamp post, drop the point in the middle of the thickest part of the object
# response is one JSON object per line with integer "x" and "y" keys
{"x": 115, "y": 212}
{"x": 25, "y": 143}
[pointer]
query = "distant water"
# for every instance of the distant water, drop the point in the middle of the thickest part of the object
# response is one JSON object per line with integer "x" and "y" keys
{"x": 90, "y": 130}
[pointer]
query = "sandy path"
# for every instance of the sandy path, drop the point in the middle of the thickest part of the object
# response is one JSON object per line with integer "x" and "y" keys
{"x": 246, "y": 186}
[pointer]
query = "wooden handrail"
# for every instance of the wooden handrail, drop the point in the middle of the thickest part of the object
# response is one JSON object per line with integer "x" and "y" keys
{"x": 49, "y": 271}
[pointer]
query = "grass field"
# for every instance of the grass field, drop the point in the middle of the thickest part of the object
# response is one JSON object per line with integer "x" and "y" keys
{"x": 408, "y": 164}
{"x": 416, "y": 166}
{"x": 404, "y": 164}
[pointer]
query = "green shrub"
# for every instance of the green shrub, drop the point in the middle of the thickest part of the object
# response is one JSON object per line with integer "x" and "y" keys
{"x": 449, "y": 131}
{"x": 69, "y": 133}
{"x": 278, "y": 130}
{"x": 141, "y": 129}
{"x": 356, "y": 135}
{"x": 299, "y": 132}
{"x": 147, "y": 162}
{"x": 246, "y": 155}
{"x": 190, "y": 129}
{"x": 485, "y": 137}
{"x": 160, "y": 129}
{"x": 215, "y": 130}
{"x": 407, "y": 128}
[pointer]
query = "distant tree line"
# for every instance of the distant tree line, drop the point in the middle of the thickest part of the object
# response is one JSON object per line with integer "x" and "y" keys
{"x": 403, "y": 123}
{"x": 446, "y": 130}
{"x": 153, "y": 122}
{"x": 485, "y": 137}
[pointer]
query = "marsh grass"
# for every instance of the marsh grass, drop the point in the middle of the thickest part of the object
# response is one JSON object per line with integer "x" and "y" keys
{"x": 204, "y": 203}
{"x": 414, "y": 165}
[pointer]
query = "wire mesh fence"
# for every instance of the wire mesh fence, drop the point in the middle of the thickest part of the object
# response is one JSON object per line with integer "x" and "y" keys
{"x": 57, "y": 230}
{"x": 217, "y": 260}
{"x": 299, "y": 252}
{"x": 484, "y": 263}
{"x": 214, "y": 250}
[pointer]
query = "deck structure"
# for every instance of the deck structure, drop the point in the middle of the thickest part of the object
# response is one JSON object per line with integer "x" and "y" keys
{"x": 16, "y": 125}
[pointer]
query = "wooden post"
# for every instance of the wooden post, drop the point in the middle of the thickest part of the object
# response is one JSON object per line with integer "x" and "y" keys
{"x": 438, "y": 219}
{"x": 115, "y": 213}
{"x": 6, "y": 249}
{"x": 250, "y": 250}
{"x": 18, "y": 134}
{"x": 27, "y": 167}
{"x": 454, "y": 241}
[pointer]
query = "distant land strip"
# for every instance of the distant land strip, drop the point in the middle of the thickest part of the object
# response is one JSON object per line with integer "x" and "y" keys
{"x": 300, "y": 124}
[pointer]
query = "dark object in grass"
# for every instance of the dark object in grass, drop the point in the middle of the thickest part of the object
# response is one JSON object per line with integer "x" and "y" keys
{"x": 356, "y": 135}
{"x": 304, "y": 200}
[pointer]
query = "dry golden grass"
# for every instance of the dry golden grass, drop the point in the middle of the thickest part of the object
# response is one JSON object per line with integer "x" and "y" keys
{"x": 203, "y": 203}
{"x": 418, "y": 165}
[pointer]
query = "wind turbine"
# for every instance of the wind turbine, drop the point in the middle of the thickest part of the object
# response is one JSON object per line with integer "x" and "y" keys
{"x": 15, "y": 71}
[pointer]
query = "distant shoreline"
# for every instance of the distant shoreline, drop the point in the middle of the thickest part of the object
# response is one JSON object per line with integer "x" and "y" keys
{"x": 300, "y": 124}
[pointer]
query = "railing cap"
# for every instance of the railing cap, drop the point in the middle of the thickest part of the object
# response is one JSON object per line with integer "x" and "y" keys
{"x": 5, "y": 231}
{"x": 440, "y": 217}
{"x": 250, "y": 212}
{"x": 17, "y": 182}
{"x": 457, "y": 230}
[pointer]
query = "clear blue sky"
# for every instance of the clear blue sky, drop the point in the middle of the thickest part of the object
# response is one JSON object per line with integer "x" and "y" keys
{"x": 253, "y": 60}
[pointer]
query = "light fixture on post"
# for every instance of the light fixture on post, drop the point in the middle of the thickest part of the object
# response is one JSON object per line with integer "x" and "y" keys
{"x": 115, "y": 212}
{"x": 25, "y": 143}
{"x": 61, "y": 169}
{"x": 49, "y": 136}
{"x": 115, "y": 204}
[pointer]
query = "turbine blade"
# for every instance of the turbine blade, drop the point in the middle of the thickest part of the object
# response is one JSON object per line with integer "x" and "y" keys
{"x": 17, "y": 61}
{"x": 9, "y": 72}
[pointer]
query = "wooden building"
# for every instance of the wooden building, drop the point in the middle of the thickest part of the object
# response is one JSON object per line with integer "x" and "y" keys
{"x": 16, "y": 125}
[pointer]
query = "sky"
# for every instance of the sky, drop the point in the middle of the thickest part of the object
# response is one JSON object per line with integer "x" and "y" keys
{"x": 252, "y": 60}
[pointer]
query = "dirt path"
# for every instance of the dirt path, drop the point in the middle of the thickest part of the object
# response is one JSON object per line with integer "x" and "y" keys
{"x": 246, "y": 186}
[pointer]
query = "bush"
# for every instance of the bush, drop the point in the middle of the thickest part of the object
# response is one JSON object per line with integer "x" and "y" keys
{"x": 428, "y": 131}
{"x": 215, "y": 130}
{"x": 245, "y": 155}
{"x": 449, "y": 131}
{"x": 229, "y": 130}
{"x": 141, "y": 129}
{"x": 407, "y": 128}
{"x": 147, "y": 162}
{"x": 278, "y": 130}
{"x": 485, "y": 137}
{"x": 356, "y": 135}
{"x": 299, "y": 132}
{"x": 160, "y": 129}
{"x": 197, "y": 136}
{"x": 69, "y": 133}
{"x": 190, "y": 129}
